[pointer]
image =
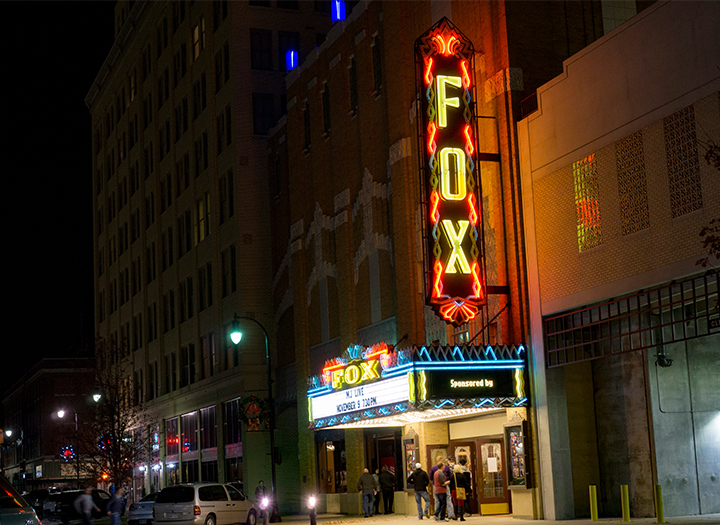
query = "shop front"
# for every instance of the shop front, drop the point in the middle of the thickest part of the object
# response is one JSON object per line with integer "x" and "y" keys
{"x": 419, "y": 405}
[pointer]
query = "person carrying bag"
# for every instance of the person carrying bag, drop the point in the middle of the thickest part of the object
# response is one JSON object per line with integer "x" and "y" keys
{"x": 458, "y": 492}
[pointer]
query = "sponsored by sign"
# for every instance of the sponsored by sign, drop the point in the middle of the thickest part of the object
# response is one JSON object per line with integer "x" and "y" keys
{"x": 464, "y": 384}
{"x": 381, "y": 393}
{"x": 455, "y": 260}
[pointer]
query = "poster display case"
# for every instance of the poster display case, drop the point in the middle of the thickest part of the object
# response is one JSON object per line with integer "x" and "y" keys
{"x": 517, "y": 454}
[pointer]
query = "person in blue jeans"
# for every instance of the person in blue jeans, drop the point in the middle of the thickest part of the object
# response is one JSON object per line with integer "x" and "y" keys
{"x": 115, "y": 506}
{"x": 420, "y": 480}
{"x": 368, "y": 487}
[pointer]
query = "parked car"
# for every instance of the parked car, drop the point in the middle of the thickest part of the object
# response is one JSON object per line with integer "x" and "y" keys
{"x": 140, "y": 513}
{"x": 36, "y": 498}
{"x": 14, "y": 510}
{"x": 203, "y": 504}
{"x": 65, "y": 505}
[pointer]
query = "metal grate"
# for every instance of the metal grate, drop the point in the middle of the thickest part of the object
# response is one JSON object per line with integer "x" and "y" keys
{"x": 667, "y": 314}
{"x": 632, "y": 184}
{"x": 587, "y": 203}
{"x": 682, "y": 162}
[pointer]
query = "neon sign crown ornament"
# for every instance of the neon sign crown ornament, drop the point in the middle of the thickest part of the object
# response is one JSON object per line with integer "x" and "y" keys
{"x": 454, "y": 253}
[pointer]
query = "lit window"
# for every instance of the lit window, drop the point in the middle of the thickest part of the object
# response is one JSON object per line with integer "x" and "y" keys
{"x": 587, "y": 203}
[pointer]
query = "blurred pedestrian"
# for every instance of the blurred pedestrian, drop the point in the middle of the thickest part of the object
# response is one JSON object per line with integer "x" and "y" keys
{"x": 115, "y": 506}
{"x": 85, "y": 505}
{"x": 387, "y": 486}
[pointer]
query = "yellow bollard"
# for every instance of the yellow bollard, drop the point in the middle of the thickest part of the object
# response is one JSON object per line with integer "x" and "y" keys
{"x": 625, "y": 497}
{"x": 593, "y": 503}
{"x": 659, "y": 509}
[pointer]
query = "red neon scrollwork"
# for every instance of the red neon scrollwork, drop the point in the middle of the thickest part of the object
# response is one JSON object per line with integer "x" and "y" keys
{"x": 437, "y": 285}
{"x": 428, "y": 70}
{"x": 443, "y": 47}
{"x": 434, "y": 201}
{"x": 477, "y": 286}
{"x": 466, "y": 75}
{"x": 454, "y": 309}
{"x": 431, "y": 137}
{"x": 468, "y": 141}
{"x": 473, "y": 215}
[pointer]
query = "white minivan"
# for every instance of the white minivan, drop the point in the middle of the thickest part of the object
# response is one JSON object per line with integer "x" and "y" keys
{"x": 203, "y": 504}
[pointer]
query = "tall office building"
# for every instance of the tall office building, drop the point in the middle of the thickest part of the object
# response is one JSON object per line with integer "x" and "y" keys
{"x": 180, "y": 112}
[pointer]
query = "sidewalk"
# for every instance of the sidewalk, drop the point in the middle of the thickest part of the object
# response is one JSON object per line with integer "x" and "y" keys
{"x": 336, "y": 519}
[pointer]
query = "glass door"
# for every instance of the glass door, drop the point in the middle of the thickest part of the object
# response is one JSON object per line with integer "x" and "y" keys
{"x": 492, "y": 486}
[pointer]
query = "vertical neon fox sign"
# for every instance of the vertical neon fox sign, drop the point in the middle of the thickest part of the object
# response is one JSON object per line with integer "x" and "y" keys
{"x": 454, "y": 255}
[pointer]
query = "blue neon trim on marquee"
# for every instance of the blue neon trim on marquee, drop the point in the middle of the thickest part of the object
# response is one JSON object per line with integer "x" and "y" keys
{"x": 338, "y": 10}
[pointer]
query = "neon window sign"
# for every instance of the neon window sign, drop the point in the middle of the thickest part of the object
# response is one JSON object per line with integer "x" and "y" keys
{"x": 455, "y": 265}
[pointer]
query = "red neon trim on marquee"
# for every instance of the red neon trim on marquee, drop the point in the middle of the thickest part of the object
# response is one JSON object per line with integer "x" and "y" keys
{"x": 477, "y": 286}
{"x": 473, "y": 212}
{"x": 437, "y": 287}
{"x": 431, "y": 137}
{"x": 428, "y": 71}
{"x": 468, "y": 141}
{"x": 466, "y": 75}
{"x": 435, "y": 201}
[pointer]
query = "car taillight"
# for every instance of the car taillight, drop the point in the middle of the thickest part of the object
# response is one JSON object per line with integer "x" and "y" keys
{"x": 196, "y": 508}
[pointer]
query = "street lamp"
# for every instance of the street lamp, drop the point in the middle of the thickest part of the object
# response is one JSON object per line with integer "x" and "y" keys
{"x": 235, "y": 337}
{"x": 61, "y": 414}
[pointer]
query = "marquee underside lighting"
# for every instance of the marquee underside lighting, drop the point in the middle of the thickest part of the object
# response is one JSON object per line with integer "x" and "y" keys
{"x": 455, "y": 265}
{"x": 426, "y": 416}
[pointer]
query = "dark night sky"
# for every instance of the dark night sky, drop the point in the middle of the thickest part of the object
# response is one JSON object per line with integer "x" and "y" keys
{"x": 52, "y": 55}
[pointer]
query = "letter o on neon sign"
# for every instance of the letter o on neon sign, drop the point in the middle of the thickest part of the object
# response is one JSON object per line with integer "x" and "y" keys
{"x": 352, "y": 374}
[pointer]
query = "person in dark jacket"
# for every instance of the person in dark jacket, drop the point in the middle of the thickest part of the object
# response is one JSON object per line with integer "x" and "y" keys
{"x": 368, "y": 488}
{"x": 420, "y": 480}
{"x": 457, "y": 480}
{"x": 115, "y": 506}
{"x": 387, "y": 486}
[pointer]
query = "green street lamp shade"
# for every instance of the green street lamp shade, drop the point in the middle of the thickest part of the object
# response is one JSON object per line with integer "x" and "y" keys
{"x": 235, "y": 333}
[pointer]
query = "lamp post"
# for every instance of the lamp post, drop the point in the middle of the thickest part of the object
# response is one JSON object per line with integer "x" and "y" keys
{"x": 61, "y": 414}
{"x": 235, "y": 337}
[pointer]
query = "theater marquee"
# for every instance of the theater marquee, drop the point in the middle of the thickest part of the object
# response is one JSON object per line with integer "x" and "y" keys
{"x": 453, "y": 236}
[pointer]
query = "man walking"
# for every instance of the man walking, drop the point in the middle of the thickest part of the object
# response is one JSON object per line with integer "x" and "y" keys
{"x": 368, "y": 488}
{"x": 387, "y": 485}
{"x": 420, "y": 480}
{"x": 115, "y": 506}
{"x": 448, "y": 471}
{"x": 84, "y": 504}
{"x": 440, "y": 483}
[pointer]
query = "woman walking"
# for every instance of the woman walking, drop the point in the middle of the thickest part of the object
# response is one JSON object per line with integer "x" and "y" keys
{"x": 459, "y": 488}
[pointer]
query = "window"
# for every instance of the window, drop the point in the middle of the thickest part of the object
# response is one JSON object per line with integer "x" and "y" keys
{"x": 150, "y": 263}
{"x": 229, "y": 282}
{"x": 288, "y": 4}
{"x": 152, "y": 322}
{"x": 182, "y": 174}
{"x": 201, "y": 154}
{"x": 165, "y": 193}
{"x": 184, "y": 233}
{"x": 180, "y": 64}
{"x": 199, "y": 96}
{"x": 683, "y": 163}
{"x": 148, "y": 160}
{"x": 162, "y": 36}
{"x": 587, "y": 203}
{"x": 202, "y": 217}
{"x": 100, "y": 262}
{"x": 168, "y": 311}
{"x": 146, "y": 62}
{"x": 224, "y": 129}
{"x": 187, "y": 365}
{"x": 306, "y": 125}
{"x": 178, "y": 11}
{"x": 167, "y": 248}
{"x": 173, "y": 371}
{"x": 205, "y": 287}
{"x": 208, "y": 428}
{"x": 124, "y": 285}
{"x": 165, "y": 139}
{"x": 187, "y": 307}
{"x": 263, "y": 113}
{"x": 227, "y": 196}
{"x": 147, "y": 111}
{"x": 287, "y": 41}
{"x": 149, "y": 210}
{"x": 377, "y": 65}
{"x": 326, "y": 110}
{"x": 208, "y": 363}
{"x": 222, "y": 66}
{"x": 133, "y": 135}
{"x": 137, "y": 332}
{"x": 220, "y": 12}
{"x": 153, "y": 385}
{"x": 113, "y": 296}
{"x": 353, "y": 85}
{"x": 198, "y": 37}
{"x": 112, "y": 253}
{"x": 134, "y": 225}
{"x": 135, "y": 277}
{"x": 122, "y": 193}
{"x": 101, "y": 306}
{"x": 134, "y": 178}
{"x": 181, "y": 119}
{"x": 261, "y": 49}
{"x": 163, "y": 91}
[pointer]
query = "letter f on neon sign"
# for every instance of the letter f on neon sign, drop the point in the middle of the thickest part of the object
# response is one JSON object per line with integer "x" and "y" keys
{"x": 442, "y": 99}
{"x": 455, "y": 238}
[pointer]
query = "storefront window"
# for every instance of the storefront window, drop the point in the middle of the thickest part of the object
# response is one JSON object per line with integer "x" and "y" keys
{"x": 171, "y": 440}
{"x": 492, "y": 470}
{"x": 332, "y": 468}
{"x": 208, "y": 428}
{"x": 189, "y": 434}
{"x": 155, "y": 468}
{"x": 233, "y": 443}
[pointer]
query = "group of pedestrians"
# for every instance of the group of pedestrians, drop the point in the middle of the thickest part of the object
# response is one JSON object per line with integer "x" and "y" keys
{"x": 372, "y": 485}
{"x": 451, "y": 483}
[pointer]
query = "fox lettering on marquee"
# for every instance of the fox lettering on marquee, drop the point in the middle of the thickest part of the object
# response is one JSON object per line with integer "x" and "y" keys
{"x": 454, "y": 237}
